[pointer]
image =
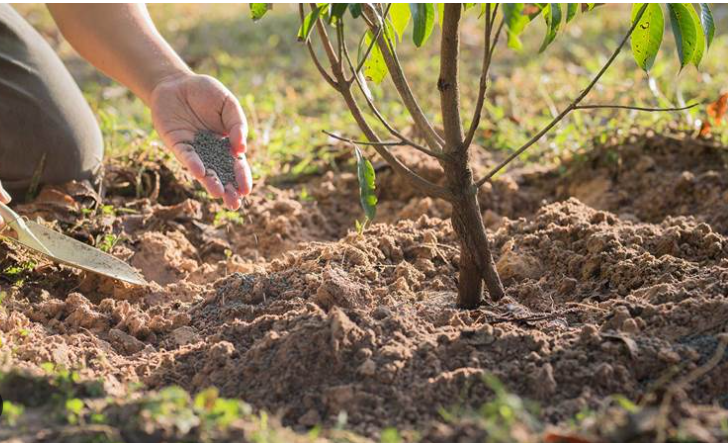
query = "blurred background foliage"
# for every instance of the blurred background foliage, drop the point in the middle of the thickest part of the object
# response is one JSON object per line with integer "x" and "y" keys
{"x": 288, "y": 104}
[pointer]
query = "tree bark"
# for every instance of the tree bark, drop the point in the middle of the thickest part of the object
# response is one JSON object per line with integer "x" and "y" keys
{"x": 476, "y": 260}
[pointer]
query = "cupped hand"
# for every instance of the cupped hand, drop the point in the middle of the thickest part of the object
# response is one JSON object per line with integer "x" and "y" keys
{"x": 185, "y": 104}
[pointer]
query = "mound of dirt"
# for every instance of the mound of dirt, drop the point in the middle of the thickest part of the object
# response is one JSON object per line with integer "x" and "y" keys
{"x": 286, "y": 308}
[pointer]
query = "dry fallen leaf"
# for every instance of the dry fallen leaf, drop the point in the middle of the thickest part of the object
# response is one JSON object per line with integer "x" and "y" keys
{"x": 718, "y": 108}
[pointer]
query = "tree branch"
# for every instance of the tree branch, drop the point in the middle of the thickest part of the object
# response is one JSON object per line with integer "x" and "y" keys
{"x": 571, "y": 106}
{"x": 487, "y": 57}
{"x": 433, "y": 139}
{"x": 364, "y": 142}
{"x": 380, "y": 117}
{"x": 447, "y": 83}
{"x": 328, "y": 47}
{"x": 417, "y": 182}
{"x": 314, "y": 57}
{"x": 636, "y": 108}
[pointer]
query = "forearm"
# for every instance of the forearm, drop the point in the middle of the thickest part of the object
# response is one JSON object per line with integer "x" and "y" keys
{"x": 121, "y": 41}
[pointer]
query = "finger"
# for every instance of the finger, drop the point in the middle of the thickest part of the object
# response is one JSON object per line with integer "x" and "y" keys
{"x": 243, "y": 175}
{"x": 236, "y": 126}
{"x": 212, "y": 183}
{"x": 231, "y": 198}
{"x": 186, "y": 155}
{"x": 4, "y": 196}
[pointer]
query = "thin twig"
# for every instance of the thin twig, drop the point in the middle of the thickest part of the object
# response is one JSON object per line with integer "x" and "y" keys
{"x": 379, "y": 115}
{"x": 636, "y": 108}
{"x": 364, "y": 142}
{"x": 571, "y": 106}
{"x": 314, "y": 57}
{"x": 685, "y": 382}
{"x": 475, "y": 122}
{"x": 434, "y": 141}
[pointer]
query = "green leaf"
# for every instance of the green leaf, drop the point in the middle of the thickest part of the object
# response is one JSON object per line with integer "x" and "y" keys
{"x": 647, "y": 36}
{"x": 684, "y": 30}
{"x": 552, "y": 16}
{"x": 355, "y": 9}
{"x": 423, "y": 15}
{"x": 571, "y": 10}
{"x": 440, "y": 13}
{"x": 365, "y": 173}
{"x": 375, "y": 69}
{"x": 700, "y": 38}
{"x": 586, "y": 7}
{"x": 258, "y": 10}
{"x": 308, "y": 23}
{"x": 515, "y": 22}
{"x": 706, "y": 19}
{"x": 338, "y": 10}
{"x": 400, "y": 14}
{"x": 467, "y": 6}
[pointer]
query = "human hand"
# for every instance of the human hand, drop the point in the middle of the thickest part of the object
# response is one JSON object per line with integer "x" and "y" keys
{"x": 187, "y": 103}
{"x": 4, "y": 198}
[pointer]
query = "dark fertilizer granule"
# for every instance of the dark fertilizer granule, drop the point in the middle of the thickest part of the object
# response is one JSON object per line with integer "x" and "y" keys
{"x": 215, "y": 154}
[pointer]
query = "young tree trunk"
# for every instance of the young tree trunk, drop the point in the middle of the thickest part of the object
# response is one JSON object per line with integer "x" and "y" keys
{"x": 476, "y": 260}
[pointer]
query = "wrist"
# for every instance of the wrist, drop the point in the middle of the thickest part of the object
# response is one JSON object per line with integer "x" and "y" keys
{"x": 164, "y": 77}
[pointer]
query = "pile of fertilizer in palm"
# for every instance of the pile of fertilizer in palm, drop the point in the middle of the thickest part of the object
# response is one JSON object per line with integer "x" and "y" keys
{"x": 215, "y": 154}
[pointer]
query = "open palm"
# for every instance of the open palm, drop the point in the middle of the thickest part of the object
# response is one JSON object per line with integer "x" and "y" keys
{"x": 184, "y": 105}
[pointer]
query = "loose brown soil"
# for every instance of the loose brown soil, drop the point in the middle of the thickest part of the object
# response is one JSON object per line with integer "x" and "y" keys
{"x": 616, "y": 277}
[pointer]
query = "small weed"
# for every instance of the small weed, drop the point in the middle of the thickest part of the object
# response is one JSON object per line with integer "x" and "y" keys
{"x": 226, "y": 215}
{"x": 390, "y": 435}
{"x": 11, "y": 413}
{"x": 107, "y": 242}
{"x": 74, "y": 411}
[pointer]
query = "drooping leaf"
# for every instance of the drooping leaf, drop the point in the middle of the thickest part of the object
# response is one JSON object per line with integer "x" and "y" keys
{"x": 467, "y": 6}
{"x": 423, "y": 15}
{"x": 571, "y": 10}
{"x": 515, "y": 21}
{"x": 706, "y": 19}
{"x": 400, "y": 14}
{"x": 647, "y": 36}
{"x": 699, "y": 36}
{"x": 258, "y": 10}
{"x": 309, "y": 21}
{"x": 440, "y": 13}
{"x": 684, "y": 31}
{"x": 552, "y": 16}
{"x": 338, "y": 10}
{"x": 366, "y": 176}
{"x": 586, "y": 7}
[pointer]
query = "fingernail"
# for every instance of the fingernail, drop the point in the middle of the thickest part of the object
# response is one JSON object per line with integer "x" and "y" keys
{"x": 5, "y": 195}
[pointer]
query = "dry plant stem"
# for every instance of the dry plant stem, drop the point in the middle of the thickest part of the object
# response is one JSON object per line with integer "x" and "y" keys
{"x": 572, "y": 106}
{"x": 476, "y": 260}
{"x": 684, "y": 383}
{"x": 434, "y": 141}
{"x": 340, "y": 84}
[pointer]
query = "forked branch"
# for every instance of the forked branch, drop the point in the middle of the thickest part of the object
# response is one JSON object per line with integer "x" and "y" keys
{"x": 572, "y": 106}
{"x": 433, "y": 139}
{"x": 416, "y": 181}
